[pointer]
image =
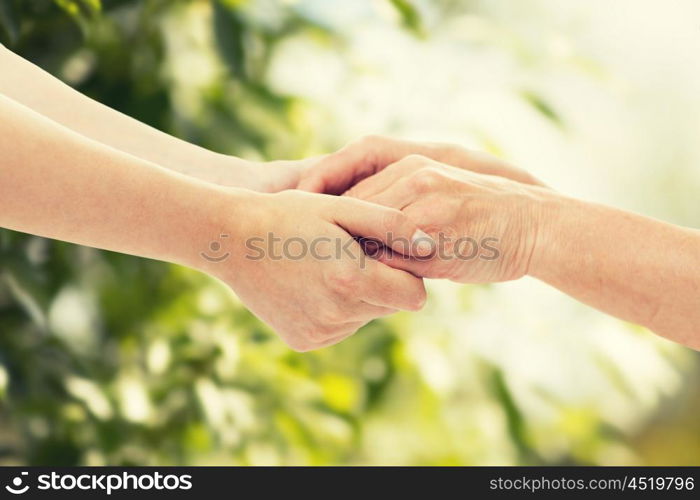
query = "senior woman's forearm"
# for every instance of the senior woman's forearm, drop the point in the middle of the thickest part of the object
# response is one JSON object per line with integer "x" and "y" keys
{"x": 633, "y": 267}
{"x": 59, "y": 184}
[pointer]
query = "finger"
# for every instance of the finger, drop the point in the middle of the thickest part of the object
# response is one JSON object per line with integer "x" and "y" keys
{"x": 379, "y": 182}
{"x": 384, "y": 224}
{"x": 418, "y": 268}
{"x": 313, "y": 178}
{"x": 484, "y": 163}
{"x": 392, "y": 150}
{"x": 358, "y": 160}
{"x": 370, "y": 186}
{"x": 392, "y": 288}
{"x": 335, "y": 173}
{"x": 339, "y": 171}
{"x": 398, "y": 195}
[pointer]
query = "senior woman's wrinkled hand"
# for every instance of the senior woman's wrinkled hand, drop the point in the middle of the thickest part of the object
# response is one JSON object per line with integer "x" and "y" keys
{"x": 486, "y": 227}
{"x": 489, "y": 228}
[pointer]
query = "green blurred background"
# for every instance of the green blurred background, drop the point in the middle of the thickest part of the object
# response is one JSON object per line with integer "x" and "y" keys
{"x": 109, "y": 359}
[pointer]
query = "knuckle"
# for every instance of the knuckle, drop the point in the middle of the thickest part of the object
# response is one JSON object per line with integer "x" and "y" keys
{"x": 425, "y": 180}
{"x": 343, "y": 280}
{"x": 370, "y": 139}
{"x": 392, "y": 220}
{"x": 366, "y": 145}
{"x": 396, "y": 169}
{"x": 330, "y": 315}
{"x": 364, "y": 149}
{"x": 451, "y": 152}
{"x": 414, "y": 160}
{"x": 404, "y": 184}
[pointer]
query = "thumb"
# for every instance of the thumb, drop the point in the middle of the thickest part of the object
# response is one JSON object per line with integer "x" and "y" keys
{"x": 311, "y": 183}
{"x": 387, "y": 225}
{"x": 331, "y": 175}
{"x": 337, "y": 172}
{"x": 313, "y": 174}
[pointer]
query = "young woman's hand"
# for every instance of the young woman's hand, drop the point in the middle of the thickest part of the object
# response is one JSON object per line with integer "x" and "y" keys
{"x": 339, "y": 171}
{"x": 295, "y": 264}
{"x": 59, "y": 184}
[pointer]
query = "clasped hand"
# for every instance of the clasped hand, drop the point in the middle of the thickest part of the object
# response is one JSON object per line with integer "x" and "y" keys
{"x": 393, "y": 193}
{"x": 419, "y": 210}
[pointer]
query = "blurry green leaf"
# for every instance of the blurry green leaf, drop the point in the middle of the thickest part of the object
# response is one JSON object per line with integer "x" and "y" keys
{"x": 27, "y": 288}
{"x": 9, "y": 21}
{"x": 83, "y": 12}
{"x": 614, "y": 374}
{"x": 71, "y": 7}
{"x": 324, "y": 407}
{"x": 543, "y": 107}
{"x": 229, "y": 31}
{"x": 197, "y": 436}
{"x": 341, "y": 393}
{"x": 410, "y": 17}
{"x": 78, "y": 7}
{"x": 92, "y": 5}
{"x": 516, "y": 422}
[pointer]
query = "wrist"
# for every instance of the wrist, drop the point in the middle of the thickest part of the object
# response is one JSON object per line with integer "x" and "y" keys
{"x": 555, "y": 215}
{"x": 215, "y": 244}
{"x": 263, "y": 177}
{"x": 231, "y": 171}
{"x": 277, "y": 175}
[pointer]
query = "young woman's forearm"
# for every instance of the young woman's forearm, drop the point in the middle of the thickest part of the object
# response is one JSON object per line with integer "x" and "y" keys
{"x": 633, "y": 267}
{"x": 30, "y": 85}
{"x": 59, "y": 184}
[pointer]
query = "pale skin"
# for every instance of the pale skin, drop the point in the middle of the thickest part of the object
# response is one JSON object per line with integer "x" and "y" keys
{"x": 633, "y": 267}
{"x": 89, "y": 172}
{"x": 59, "y": 184}
{"x": 28, "y": 84}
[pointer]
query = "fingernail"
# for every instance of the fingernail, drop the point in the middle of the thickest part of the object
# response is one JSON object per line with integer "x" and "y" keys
{"x": 424, "y": 244}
